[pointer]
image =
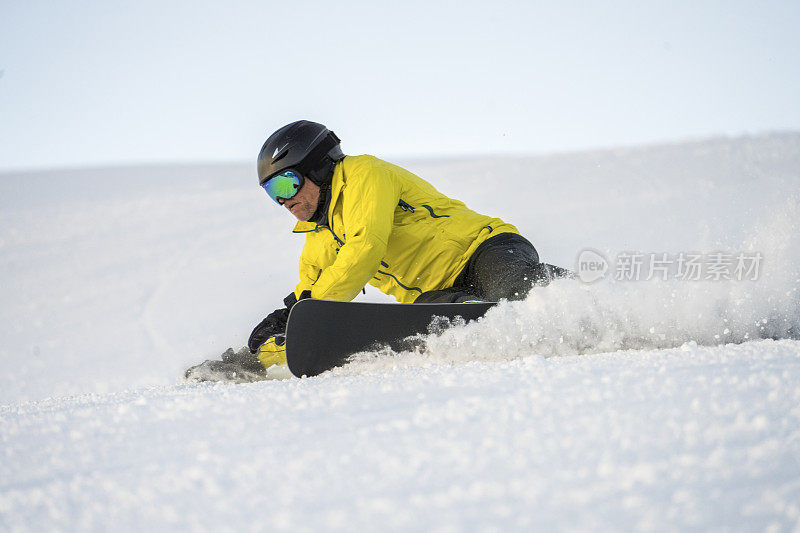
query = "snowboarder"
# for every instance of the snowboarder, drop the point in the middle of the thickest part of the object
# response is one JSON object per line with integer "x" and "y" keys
{"x": 369, "y": 221}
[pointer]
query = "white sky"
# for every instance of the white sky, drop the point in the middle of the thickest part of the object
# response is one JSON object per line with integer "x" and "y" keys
{"x": 91, "y": 82}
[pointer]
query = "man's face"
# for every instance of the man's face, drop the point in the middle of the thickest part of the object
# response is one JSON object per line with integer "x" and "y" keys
{"x": 303, "y": 204}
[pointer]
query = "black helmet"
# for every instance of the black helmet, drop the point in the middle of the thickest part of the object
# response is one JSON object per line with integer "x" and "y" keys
{"x": 307, "y": 147}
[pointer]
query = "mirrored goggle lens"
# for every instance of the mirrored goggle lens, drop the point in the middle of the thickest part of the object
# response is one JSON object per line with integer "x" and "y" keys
{"x": 283, "y": 185}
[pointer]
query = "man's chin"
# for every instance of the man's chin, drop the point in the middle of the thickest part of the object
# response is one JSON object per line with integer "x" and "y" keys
{"x": 299, "y": 214}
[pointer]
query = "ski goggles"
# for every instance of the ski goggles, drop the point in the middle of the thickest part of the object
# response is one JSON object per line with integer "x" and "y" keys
{"x": 283, "y": 185}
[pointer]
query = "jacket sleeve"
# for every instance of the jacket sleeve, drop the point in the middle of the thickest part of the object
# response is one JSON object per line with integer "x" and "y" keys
{"x": 368, "y": 203}
{"x": 308, "y": 271}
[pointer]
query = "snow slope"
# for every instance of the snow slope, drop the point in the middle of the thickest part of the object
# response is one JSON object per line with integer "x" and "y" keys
{"x": 636, "y": 405}
{"x": 685, "y": 438}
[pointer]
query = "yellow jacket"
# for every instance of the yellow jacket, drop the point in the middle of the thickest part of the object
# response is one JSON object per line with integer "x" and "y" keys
{"x": 391, "y": 229}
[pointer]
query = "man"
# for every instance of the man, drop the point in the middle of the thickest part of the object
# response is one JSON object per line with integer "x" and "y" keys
{"x": 368, "y": 221}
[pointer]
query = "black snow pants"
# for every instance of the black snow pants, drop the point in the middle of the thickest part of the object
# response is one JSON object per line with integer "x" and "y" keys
{"x": 505, "y": 266}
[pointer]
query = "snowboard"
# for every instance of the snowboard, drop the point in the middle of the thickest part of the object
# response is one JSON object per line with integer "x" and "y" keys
{"x": 322, "y": 334}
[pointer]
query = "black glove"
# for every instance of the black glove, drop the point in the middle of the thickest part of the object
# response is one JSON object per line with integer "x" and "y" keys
{"x": 274, "y": 324}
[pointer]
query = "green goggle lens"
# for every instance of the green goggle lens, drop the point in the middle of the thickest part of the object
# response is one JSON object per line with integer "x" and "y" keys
{"x": 283, "y": 185}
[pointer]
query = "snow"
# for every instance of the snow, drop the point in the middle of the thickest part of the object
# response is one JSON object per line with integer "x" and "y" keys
{"x": 615, "y": 405}
{"x": 693, "y": 437}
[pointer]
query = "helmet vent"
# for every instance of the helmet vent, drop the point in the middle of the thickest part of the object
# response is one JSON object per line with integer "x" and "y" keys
{"x": 280, "y": 156}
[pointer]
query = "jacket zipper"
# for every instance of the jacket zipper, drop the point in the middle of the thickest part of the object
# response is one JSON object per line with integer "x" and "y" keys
{"x": 407, "y": 207}
{"x": 339, "y": 241}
